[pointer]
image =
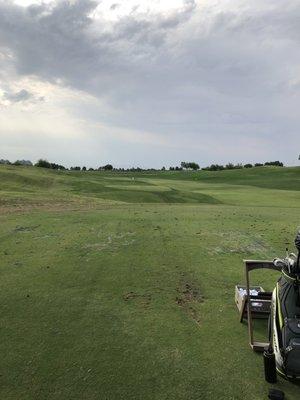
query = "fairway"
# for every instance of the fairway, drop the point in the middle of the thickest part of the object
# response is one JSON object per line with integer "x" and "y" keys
{"x": 121, "y": 285}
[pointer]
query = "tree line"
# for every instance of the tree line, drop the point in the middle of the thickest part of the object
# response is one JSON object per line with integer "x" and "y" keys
{"x": 217, "y": 167}
{"x": 184, "y": 165}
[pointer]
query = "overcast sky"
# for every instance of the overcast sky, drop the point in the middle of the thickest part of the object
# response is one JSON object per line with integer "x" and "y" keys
{"x": 150, "y": 83}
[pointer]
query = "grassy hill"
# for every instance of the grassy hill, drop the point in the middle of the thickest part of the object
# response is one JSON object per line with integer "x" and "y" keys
{"x": 31, "y": 185}
{"x": 121, "y": 285}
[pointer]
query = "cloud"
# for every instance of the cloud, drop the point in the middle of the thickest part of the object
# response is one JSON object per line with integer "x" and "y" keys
{"x": 22, "y": 95}
{"x": 205, "y": 75}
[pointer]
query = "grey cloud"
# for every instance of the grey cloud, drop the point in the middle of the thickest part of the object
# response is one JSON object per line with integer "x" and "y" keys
{"x": 194, "y": 74}
{"x": 22, "y": 95}
{"x": 114, "y": 6}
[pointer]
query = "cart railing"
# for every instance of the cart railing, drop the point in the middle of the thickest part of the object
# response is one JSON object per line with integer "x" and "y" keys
{"x": 251, "y": 265}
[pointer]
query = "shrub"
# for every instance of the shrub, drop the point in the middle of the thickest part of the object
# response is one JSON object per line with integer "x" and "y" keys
{"x": 274, "y": 163}
{"x": 190, "y": 165}
{"x": 43, "y": 164}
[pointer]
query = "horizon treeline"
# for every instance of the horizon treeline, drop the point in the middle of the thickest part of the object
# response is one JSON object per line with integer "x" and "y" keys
{"x": 187, "y": 166}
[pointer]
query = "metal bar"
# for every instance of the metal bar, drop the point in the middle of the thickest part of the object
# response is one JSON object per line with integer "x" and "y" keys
{"x": 251, "y": 265}
{"x": 249, "y": 314}
{"x": 261, "y": 264}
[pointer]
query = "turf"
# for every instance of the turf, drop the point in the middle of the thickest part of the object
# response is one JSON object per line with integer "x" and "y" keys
{"x": 121, "y": 286}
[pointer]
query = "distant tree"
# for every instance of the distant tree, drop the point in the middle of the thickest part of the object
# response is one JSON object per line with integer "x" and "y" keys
{"x": 274, "y": 163}
{"x": 171, "y": 169}
{"x": 23, "y": 162}
{"x": 57, "y": 166}
{"x": 214, "y": 167}
{"x": 189, "y": 165}
{"x": 5, "y": 162}
{"x": 43, "y": 164}
{"x": 229, "y": 166}
{"x": 18, "y": 162}
{"x": 258, "y": 165}
{"x": 91, "y": 169}
{"x": 184, "y": 164}
{"x": 248, "y": 166}
{"x": 135, "y": 169}
{"x": 194, "y": 166}
{"x": 238, "y": 166}
{"x": 107, "y": 167}
{"x": 83, "y": 168}
{"x": 163, "y": 168}
{"x": 75, "y": 168}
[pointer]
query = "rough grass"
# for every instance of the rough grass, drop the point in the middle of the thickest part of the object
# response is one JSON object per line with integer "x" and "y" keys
{"x": 108, "y": 297}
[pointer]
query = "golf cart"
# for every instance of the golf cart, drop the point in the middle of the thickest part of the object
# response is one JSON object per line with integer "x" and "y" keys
{"x": 282, "y": 308}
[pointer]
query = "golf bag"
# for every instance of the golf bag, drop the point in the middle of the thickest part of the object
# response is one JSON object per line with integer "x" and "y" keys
{"x": 284, "y": 322}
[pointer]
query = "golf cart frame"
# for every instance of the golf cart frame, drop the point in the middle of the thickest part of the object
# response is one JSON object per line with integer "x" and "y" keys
{"x": 251, "y": 265}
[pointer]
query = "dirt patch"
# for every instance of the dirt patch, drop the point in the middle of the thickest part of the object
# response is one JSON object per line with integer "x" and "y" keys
{"x": 95, "y": 246}
{"x": 25, "y": 206}
{"x": 112, "y": 242}
{"x": 241, "y": 243}
{"x": 143, "y": 299}
{"x": 25, "y": 228}
{"x": 189, "y": 296}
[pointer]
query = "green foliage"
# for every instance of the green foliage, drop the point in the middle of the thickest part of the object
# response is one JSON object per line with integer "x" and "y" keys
{"x": 46, "y": 164}
{"x": 214, "y": 167}
{"x": 107, "y": 167}
{"x": 190, "y": 165}
{"x": 274, "y": 163}
{"x": 43, "y": 164}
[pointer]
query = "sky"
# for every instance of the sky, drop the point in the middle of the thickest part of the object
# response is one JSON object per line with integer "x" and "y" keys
{"x": 150, "y": 83}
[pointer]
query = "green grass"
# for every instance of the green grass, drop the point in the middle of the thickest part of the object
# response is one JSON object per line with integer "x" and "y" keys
{"x": 119, "y": 288}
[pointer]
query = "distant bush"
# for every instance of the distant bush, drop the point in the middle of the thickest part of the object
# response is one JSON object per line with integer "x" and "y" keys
{"x": 229, "y": 166}
{"x": 175, "y": 169}
{"x": 83, "y": 168}
{"x": 217, "y": 167}
{"x": 46, "y": 164}
{"x": 190, "y": 165}
{"x": 43, "y": 164}
{"x": 107, "y": 167}
{"x": 274, "y": 163}
{"x": 57, "y": 166}
{"x": 23, "y": 162}
{"x": 214, "y": 167}
{"x": 75, "y": 168}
